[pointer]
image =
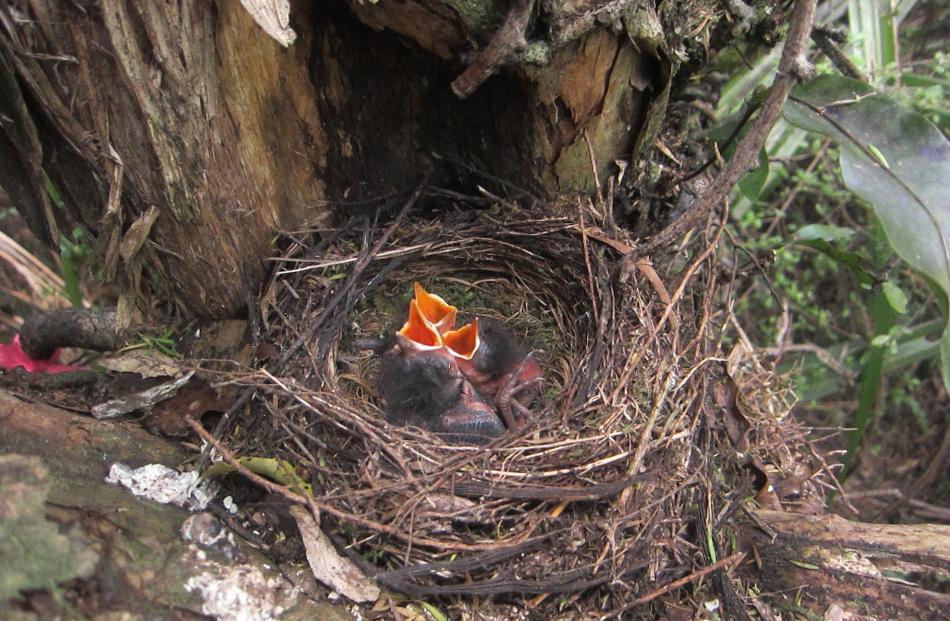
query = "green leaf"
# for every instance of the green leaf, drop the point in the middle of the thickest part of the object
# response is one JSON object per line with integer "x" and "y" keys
{"x": 753, "y": 181}
{"x": 864, "y": 23}
{"x": 895, "y": 297}
{"x": 869, "y": 388}
{"x": 825, "y": 237}
{"x": 711, "y": 546}
{"x": 880, "y": 340}
{"x": 434, "y": 612}
{"x": 914, "y": 345}
{"x": 827, "y": 232}
{"x": 277, "y": 470}
{"x": 848, "y": 259}
{"x": 72, "y": 251}
{"x": 880, "y": 156}
{"x": 908, "y": 196}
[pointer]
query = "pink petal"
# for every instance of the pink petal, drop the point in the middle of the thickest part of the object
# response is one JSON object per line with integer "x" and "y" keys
{"x": 13, "y": 356}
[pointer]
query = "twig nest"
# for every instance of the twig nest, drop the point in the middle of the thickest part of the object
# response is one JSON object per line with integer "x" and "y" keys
{"x": 593, "y": 493}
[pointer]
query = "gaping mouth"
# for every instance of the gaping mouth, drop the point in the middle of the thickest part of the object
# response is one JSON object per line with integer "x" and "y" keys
{"x": 464, "y": 342}
{"x": 422, "y": 333}
{"x": 434, "y": 309}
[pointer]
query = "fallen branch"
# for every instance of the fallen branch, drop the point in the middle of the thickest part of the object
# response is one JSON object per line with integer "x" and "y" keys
{"x": 86, "y": 328}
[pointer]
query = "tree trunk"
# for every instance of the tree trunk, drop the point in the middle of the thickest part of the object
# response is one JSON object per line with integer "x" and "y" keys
{"x": 875, "y": 571}
{"x": 181, "y": 136}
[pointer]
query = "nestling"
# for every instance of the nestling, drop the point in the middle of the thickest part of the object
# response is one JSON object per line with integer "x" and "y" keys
{"x": 422, "y": 385}
{"x": 497, "y": 365}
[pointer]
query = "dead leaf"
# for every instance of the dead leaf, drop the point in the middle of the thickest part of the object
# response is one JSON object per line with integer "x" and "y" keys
{"x": 726, "y": 394}
{"x": 191, "y": 401}
{"x": 277, "y": 470}
{"x": 593, "y": 233}
{"x": 767, "y": 499}
{"x": 224, "y": 340}
{"x": 138, "y": 401}
{"x": 333, "y": 570}
{"x": 736, "y": 359}
{"x": 274, "y": 17}
{"x": 834, "y": 613}
{"x": 676, "y": 612}
{"x": 765, "y": 492}
{"x": 147, "y": 363}
{"x": 790, "y": 487}
{"x": 645, "y": 266}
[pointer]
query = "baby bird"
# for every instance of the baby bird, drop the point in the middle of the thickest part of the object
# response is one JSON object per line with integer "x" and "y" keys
{"x": 492, "y": 359}
{"x": 422, "y": 385}
{"x": 488, "y": 355}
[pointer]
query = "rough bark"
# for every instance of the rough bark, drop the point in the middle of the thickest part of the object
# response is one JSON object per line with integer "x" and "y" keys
{"x": 875, "y": 571}
{"x": 43, "y": 333}
{"x": 182, "y": 137}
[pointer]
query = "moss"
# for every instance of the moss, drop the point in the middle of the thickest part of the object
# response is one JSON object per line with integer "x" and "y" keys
{"x": 477, "y": 15}
{"x": 35, "y": 554}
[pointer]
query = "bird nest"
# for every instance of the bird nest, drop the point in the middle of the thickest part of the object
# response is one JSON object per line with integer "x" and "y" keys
{"x": 606, "y": 489}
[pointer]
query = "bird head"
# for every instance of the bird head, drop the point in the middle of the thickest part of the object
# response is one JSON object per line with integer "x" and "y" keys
{"x": 430, "y": 326}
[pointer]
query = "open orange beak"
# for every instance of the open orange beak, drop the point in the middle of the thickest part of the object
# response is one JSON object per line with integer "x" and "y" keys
{"x": 464, "y": 342}
{"x": 434, "y": 309}
{"x": 418, "y": 333}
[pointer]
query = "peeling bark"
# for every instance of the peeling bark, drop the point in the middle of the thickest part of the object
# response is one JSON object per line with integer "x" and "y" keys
{"x": 193, "y": 110}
